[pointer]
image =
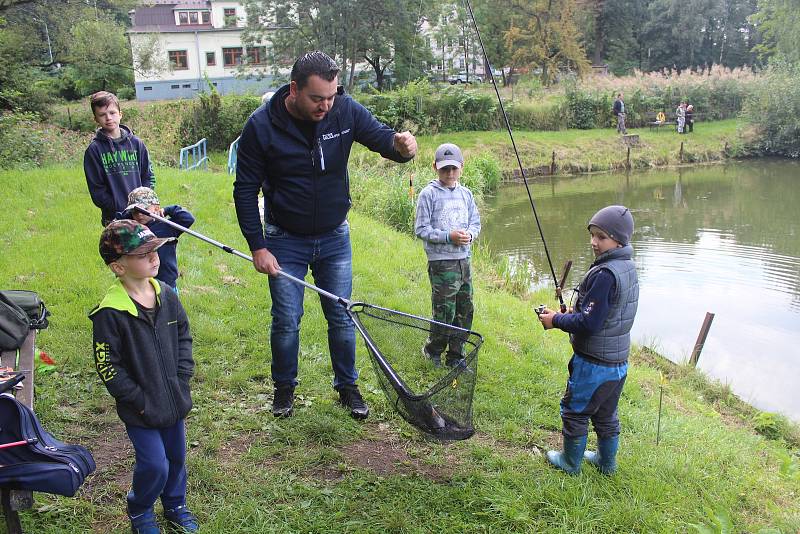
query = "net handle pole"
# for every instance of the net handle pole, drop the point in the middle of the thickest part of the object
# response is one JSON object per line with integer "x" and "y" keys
{"x": 230, "y": 250}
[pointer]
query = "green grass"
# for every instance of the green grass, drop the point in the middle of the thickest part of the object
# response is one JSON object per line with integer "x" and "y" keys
{"x": 579, "y": 151}
{"x": 322, "y": 472}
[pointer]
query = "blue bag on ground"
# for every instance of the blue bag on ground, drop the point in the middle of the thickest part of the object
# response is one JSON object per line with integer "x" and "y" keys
{"x": 47, "y": 465}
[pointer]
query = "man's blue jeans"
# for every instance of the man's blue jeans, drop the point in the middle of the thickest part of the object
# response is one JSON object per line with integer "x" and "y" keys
{"x": 331, "y": 260}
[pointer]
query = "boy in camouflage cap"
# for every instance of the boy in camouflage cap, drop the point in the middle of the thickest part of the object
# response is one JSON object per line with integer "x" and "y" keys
{"x": 143, "y": 354}
{"x": 146, "y": 198}
{"x": 447, "y": 221}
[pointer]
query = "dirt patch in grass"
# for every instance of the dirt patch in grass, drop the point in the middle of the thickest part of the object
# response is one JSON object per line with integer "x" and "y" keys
{"x": 232, "y": 450}
{"x": 386, "y": 458}
{"x": 113, "y": 454}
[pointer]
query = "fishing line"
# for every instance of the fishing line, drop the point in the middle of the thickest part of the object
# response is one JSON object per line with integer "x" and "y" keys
{"x": 516, "y": 153}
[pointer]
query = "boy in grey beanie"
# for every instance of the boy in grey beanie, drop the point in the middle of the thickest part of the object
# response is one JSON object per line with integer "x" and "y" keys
{"x": 599, "y": 327}
{"x": 447, "y": 221}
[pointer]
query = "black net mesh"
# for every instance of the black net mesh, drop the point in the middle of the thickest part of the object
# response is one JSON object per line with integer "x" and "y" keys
{"x": 435, "y": 397}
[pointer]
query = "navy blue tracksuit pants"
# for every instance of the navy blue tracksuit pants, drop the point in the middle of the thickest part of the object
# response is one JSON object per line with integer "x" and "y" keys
{"x": 160, "y": 468}
{"x": 593, "y": 392}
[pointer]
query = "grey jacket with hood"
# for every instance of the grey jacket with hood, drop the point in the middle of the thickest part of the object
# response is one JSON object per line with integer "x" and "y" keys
{"x": 441, "y": 210}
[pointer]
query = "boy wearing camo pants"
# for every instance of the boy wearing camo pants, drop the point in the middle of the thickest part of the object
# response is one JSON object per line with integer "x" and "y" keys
{"x": 447, "y": 221}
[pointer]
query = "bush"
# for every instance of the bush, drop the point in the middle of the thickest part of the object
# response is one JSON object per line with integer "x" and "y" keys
{"x": 27, "y": 143}
{"x": 526, "y": 116}
{"x": 219, "y": 120}
{"x": 423, "y": 110}
{"x": 126, "y": 93}
{"x": 773, "y": 107}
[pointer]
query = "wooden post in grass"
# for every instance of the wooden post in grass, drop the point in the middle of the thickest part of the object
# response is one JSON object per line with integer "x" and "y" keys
{"x": 628, "y": 159}
{"x": 553, "y": 164}
{"x": 680, "y": 156}
{"x": 701, "y": 339}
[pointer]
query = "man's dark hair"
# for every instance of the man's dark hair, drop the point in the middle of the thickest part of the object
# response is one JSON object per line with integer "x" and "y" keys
{"x": 317, "y": 63}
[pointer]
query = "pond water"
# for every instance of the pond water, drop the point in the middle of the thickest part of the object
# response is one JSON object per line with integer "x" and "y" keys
{"x": 720, "y": 239}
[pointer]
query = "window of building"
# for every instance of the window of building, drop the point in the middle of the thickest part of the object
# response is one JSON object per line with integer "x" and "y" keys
{"x": 232, "y": 56}
{"x": 229, "y": 16}
{"x": 211, "y": 59}
{"x": 175, "y": 86}
{"x": 187, "y": 86}
{"x": 178, "y": 59}
{"x": 194, "y": 17}
{"x": 147, "y": 88}
{"x": 257, "y": 55}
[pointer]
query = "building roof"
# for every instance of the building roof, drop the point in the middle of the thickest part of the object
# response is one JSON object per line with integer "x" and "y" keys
{"x": 159, "y": 17}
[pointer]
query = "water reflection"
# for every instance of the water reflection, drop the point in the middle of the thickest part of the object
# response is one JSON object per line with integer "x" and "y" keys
{"x": 719, "y": 239}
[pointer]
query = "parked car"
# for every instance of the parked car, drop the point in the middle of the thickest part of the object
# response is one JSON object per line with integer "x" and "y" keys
{"x": 461, "y": 77}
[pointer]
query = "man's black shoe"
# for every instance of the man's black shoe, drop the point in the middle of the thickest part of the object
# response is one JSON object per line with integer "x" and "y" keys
{"x": 283, "y": 401}
{"x": 350, "y": 397}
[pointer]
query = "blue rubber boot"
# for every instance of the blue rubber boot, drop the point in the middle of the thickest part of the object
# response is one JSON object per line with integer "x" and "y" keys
{"x": 145, "y": 523}
{"x": 181, "y": 519}
{"x": 570, "y": 458}
{"x": 605, "y": 459}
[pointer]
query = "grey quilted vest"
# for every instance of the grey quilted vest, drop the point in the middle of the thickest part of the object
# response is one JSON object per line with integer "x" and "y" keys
{"x": 613, "y": 342}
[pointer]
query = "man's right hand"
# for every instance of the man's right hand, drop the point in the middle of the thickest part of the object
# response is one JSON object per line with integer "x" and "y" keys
{"x": 265, "y": 262}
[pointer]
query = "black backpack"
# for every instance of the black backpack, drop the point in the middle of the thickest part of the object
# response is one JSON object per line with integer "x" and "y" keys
{"x": 14, "y": 324}
{"x": 41, "y": 462}
{"x": 20, "y": 311}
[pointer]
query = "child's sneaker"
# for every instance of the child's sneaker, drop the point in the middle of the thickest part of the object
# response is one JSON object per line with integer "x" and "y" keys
{"x": 144, "y": 523}
{"x": 182, "y": 519}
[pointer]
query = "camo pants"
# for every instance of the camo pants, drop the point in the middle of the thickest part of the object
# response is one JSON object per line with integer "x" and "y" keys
{"x": 451, "y": 300}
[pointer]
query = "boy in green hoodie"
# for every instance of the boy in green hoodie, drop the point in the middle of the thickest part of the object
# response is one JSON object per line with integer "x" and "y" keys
{"x": 143, "y": 354}
{"x": 116, "y": 161}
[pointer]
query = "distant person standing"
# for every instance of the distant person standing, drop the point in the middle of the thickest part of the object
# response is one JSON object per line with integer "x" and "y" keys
{"x": 680, "y": 113}
{"x": 619, "y": 111}
{"x": 689, "y": 118}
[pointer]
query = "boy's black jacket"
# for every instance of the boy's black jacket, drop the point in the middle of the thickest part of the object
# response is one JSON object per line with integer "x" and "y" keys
{"x": 114, "y": 168}
{"x": 146, "y": 368}
{"x": 306, "y": 186}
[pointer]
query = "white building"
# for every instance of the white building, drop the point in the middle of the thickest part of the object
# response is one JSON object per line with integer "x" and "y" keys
{"x": 187, "y": 41}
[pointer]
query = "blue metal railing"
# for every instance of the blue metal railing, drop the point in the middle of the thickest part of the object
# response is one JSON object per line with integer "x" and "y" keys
{"x": 233, "y": 150}
{"x": 193, "y": 156}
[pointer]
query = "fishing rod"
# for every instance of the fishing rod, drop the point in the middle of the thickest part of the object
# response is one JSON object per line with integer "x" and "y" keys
{"x": 558, "y": 284}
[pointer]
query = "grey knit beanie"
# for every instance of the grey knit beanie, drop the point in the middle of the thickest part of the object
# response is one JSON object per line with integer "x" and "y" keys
{"x": 616, "y": 221}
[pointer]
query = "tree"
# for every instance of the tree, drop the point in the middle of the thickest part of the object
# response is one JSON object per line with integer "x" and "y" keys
{"x": 348, "y": 30}
{"x": 494, "y": 20}
{"x": 545, "y": 35}
{"x": 100, "y": 56}
{"x": 779, "y": 23}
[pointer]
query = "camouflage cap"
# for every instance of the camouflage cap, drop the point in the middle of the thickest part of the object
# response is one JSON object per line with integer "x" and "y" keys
{"x": 126, "y": 237}
{"x": 143, "y": 197}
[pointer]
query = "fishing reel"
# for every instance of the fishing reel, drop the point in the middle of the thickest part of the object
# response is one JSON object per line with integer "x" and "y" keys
{"x": 540, "y": 309}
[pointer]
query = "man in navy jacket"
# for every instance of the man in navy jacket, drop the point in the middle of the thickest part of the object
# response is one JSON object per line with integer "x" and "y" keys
{"x": 295, "y": 149}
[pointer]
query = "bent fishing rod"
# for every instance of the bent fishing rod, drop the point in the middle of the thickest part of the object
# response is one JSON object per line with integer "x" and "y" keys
{"x": 568, "y": 265}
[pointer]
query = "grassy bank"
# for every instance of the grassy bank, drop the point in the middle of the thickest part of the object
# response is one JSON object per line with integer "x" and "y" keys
{"x": 322, "y": 472}
{"x": 579, "y": 151}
